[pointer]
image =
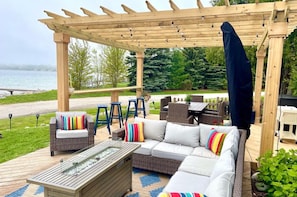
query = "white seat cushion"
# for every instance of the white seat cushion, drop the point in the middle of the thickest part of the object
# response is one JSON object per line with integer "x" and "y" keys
{"x": 204, "y": 152}
{"x": 71, "y": 133}
{"x": 171, "y": 151}
{"x": 146, "y": 146}
{"x": 187, "y": 182}
{"x": 198, "y": 165}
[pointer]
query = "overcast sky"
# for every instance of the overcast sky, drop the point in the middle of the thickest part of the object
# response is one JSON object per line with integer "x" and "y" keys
{"x": 26, "y": 41}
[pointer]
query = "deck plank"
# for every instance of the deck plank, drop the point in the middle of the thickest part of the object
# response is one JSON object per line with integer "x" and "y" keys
{"x": 13, "y": 173}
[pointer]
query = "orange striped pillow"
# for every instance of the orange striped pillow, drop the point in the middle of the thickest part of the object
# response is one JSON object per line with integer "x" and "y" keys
{"x": 73, "y": 122}
{"x": 134, "y": 132}
{"x": 215, "y": 141}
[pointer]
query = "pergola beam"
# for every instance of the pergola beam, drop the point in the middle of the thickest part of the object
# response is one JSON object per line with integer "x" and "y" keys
{"x": 173, "y": 6}
{"x": 108, "y": 12}
{"x": 128, "y": 10}
{"x": 71, "y": 14}
{"x": 150, "y": 7}
{"x": 88, "y": 13}
{"x": 199, "y": 4}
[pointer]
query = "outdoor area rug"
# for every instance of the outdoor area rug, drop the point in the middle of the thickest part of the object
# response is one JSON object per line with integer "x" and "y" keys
{"x": 144, "y": 184}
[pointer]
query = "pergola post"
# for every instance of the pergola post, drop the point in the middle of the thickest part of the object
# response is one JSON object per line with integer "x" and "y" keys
{"x": 62, "y": 41}
{"x": 139, "y": 72}
{"x": 276, "y": 34}
{"x": 261, "y": 54}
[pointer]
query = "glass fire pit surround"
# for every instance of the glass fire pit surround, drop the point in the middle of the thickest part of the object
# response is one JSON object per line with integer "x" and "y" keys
{"x": 81, "y": 165}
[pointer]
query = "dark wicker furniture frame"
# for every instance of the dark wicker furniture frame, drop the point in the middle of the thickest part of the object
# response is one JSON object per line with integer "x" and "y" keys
{"x": 65, "y": 144}
{"x": 170, "y": 166}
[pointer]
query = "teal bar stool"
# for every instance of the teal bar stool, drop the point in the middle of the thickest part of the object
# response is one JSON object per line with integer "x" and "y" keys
{"x": 102, "y": 121}
{"x": 140, "y": 105}
{"x": 116, "y": 106}
{"x": 129, "y": 110}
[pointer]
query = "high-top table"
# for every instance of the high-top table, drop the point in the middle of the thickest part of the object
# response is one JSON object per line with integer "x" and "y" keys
{"x": 195, "y": 107}
{"x": 103, "y": 170}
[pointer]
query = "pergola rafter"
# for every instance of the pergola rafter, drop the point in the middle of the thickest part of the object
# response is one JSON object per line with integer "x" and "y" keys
{"x": 251, "y": 19}
{"x": 264, "y": 25}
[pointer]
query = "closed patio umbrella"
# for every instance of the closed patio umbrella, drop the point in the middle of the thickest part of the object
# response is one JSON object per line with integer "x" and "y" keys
{"x": 239, "y": 76}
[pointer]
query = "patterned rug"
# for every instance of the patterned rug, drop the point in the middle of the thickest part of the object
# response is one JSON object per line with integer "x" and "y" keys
{"x": 144, "y": 184}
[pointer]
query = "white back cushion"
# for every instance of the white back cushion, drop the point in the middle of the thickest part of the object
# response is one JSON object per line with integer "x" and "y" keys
{"x": 153, "y": 129}
{"x": 181, "y": 134}
{"x": 225, "y": 163}
{"x": 221, "y": 186}
{"x": 231, "y": 142}
{"x": 205, "y": 130}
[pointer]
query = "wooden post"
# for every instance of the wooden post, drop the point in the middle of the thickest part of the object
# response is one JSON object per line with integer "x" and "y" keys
{"x": 276, "y": 33}
{"x": 261, "y": 54}
{"x": 62, "y": 41}
{"x": 139, "y": 72}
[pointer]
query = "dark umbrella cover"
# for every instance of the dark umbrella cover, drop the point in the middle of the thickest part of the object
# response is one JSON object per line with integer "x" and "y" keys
{"x": 239, "y": 76}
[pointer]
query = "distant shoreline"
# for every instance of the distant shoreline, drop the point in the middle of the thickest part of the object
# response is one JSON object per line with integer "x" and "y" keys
{"x": 5, "y": 93}
{"x": 29, "y": 67}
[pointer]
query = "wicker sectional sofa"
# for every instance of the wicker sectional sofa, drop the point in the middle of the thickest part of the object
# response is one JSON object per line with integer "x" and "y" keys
{"x": 180, "y": 150}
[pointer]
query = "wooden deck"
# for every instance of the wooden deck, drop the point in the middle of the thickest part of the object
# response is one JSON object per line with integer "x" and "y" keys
{"x": 13, "y": 174}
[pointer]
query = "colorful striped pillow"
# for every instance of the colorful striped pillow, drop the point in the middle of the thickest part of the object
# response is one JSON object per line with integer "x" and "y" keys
{"x": 134, "y": 132}
{"x": 215, "y": 141}
{"x": 178, "y": 194}
{"x": 73, "y": 122}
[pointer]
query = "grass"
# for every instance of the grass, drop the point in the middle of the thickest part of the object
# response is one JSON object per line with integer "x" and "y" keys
{"x": 24, "y": 136}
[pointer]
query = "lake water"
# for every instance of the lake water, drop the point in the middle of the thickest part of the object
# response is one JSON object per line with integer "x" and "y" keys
{"x": 29, "y": 80}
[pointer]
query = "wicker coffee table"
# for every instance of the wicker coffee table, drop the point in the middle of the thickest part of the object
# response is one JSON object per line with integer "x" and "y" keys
{"x": 103, "y": 170}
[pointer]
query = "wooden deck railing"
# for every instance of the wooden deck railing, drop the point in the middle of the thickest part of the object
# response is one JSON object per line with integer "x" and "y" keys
{"x": 114, "y": 91}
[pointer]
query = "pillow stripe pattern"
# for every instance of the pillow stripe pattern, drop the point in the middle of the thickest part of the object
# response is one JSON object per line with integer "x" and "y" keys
{"x": 215, "y": 141}
{"x": 178, "y": 194}
{"x": 72, "y": 123}
{"x": 134, "y": 132}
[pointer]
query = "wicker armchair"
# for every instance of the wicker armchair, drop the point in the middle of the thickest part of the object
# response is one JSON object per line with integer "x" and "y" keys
{"x": 64, "y": 140}
{"x": 215, "y": 117}
{"x": 179, "y": 112}
{"x": 164, "y": 102}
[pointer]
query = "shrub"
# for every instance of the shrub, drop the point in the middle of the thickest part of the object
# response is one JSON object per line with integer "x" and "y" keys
{"x": 279, "y": 172}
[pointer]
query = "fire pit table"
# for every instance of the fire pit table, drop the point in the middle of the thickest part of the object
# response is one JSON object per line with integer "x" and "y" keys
{"x": 103, "y": 170}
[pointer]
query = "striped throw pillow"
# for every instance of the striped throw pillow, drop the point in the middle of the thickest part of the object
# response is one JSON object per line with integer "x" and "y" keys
{"x": 73, "y": 122}
{"x": 178, "y": 194}
{"x": 215, "y": 141}
{"x": 134, "y": 132}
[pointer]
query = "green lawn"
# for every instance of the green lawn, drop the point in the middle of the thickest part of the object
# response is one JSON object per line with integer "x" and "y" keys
{"x": 24, "y": 136}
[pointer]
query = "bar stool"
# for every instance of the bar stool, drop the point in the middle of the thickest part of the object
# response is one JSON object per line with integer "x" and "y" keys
{"x": 129, "y": 111}
{"x": 140, "y": 101}
{"x": 102, "y": 121}
{"x": 119, "y": 115}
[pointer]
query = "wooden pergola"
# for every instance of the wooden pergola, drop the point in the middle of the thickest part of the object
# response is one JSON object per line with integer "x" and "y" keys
{"x": 264, "y": 25}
